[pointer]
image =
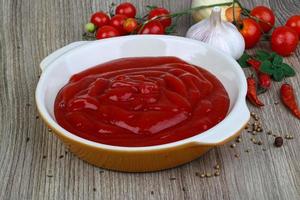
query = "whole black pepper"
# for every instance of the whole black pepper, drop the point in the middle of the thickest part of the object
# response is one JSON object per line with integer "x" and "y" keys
{"x": 278, "y": 141}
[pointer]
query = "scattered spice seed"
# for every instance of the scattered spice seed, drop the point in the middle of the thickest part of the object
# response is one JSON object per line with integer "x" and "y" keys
{"x": 269, "y": 132}
{"x": 253, "y": 140}
{"x": 36, "y": 117}
{"x": 276, "y": 102}
{"x": 172, "y": 178}
{"x": 217, "y": 173}
{"x": 101, "y": 172}
{"x": 247, "y": 150}
{"x": 259, "y": 143}
{"x": 94, "y": 189}
{"x": 183, "y": 189}
{"x": 278, "y": 141}
{"x": 289, "y": 137}
{"x": 44, "y": 157}
{"x": 28, "y": 104}
{"x": 208, "y": 174}
{"x": 202, "y": 175}
{"x": 274, "y": 135}
{"x": 264, "y": 149}
{"x": 152, "y": 192}
{"x": 217, "y": 167}
{"x": 27, "y": 139}
{"x": 49, "y": 130}
{"x": 236, "y": 155}
{"x": 49, "y": 175}
{"x": 66, "y": 152}
{"x": 61, "y": 156}
{"x": 233, "y": 145}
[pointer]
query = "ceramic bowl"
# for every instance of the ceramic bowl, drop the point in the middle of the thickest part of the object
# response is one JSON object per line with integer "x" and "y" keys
{"x": 59, "y": 66}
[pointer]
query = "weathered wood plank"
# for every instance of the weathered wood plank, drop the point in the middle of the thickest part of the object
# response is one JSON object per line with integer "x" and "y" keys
{"x": 30, "y": 158}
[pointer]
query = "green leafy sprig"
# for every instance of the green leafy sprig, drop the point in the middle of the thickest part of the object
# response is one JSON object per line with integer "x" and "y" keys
{"x": 271, "y": 63}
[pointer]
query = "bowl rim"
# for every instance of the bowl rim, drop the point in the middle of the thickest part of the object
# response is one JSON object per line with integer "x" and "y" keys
{"x": 239, "y": 106}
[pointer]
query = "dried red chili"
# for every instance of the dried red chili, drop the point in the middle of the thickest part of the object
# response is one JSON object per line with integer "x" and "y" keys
{"x": 255, "y": 64}
{"x": 289, "y": 100}
{"x": 252, "y": 92}
{"x": 264, "y": 79}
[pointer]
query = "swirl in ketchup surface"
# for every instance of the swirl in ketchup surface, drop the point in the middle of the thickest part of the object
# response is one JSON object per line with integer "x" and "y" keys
{"x": 136, "y": 102}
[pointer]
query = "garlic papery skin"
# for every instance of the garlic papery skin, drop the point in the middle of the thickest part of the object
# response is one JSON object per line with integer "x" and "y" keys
{"x": 219, "y": 34}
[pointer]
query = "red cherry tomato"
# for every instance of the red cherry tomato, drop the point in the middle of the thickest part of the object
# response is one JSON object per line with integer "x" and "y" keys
{"x": 153, "y": 27}
{"x": 107, "y": 32}
{"x": 284, "y": 40}
{"x": 165, "y": 21}
{"x": 266, "y": 15}
{"x": 251, "y": 32}
{"x": 117, "y": 21}
{"x": 100, "y": 19}
{"x": 130, "y": 25}
{"x": 294, "y": 23}
{"x": 126, "y": 9}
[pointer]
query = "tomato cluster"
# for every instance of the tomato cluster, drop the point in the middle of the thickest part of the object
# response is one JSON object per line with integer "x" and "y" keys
{"x": 124, "y": 22}
{"x": 284, "y": 39}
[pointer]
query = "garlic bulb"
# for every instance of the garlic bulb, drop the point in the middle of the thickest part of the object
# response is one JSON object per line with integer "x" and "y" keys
{"x": 219, "y": 34}
{"x": 205, "y": 13}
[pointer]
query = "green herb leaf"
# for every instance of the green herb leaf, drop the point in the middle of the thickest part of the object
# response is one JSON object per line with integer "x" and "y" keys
{"x": 288, "y": 70}
{"x": 171, "y": 29}
{"x": 278, "y": 60}
{"x": 150, "y": 7}
{"x": 263, "y": 55}
{"x": 243, "y": 60}
{"x": 267, "y": 67}
{"x": 278, "y": 75}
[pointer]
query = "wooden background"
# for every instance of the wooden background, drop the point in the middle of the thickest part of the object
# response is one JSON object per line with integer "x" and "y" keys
{"x": 34, "y": 164}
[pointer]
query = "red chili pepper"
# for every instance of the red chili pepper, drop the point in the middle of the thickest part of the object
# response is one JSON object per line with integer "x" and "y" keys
{"x": 264, "y": 80}
{"x": 255, "y": 64}
{"x": 289, "y": 100}
{"x": 252, "y": 92}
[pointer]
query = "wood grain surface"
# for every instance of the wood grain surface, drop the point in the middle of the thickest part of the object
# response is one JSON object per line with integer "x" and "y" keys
{"x": 34, "y": 164}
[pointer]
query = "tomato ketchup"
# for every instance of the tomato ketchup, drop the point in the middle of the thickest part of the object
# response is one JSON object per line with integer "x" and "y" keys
{"x": 136, "y": 102}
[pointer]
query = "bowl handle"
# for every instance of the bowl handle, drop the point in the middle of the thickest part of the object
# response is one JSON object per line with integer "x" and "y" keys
{"x": 234, "y": 125}
{"x": 56, "y": 54}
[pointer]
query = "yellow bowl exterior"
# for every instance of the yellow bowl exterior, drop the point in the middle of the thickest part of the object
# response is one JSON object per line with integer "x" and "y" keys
{"x": 137, "y": 161}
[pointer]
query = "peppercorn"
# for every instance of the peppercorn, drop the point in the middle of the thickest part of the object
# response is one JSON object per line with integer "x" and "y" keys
{"x": 278, "y": 141}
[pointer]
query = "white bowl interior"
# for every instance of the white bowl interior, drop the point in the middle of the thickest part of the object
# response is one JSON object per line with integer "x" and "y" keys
{"x": 93, "y": 53}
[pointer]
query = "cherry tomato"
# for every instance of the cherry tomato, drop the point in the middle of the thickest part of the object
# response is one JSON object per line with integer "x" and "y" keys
{"x": 126, "y": 9}
{"x": 165, "y": 21}
{"x": 251, "y": 32}
{"x": 153, "y": 27}
{"x": 284, "y": 40}
{"x": 130, "y": 25}
{"x": 107, "y": 32}
{"x": 117, "y": 21}
{"x": 100, "y": 19}
{"x": 294, "y": 23}
{"x": 266, "y": 15}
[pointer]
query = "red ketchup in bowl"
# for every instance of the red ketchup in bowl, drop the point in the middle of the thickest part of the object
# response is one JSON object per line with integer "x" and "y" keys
{"x": 137, "y": 102}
